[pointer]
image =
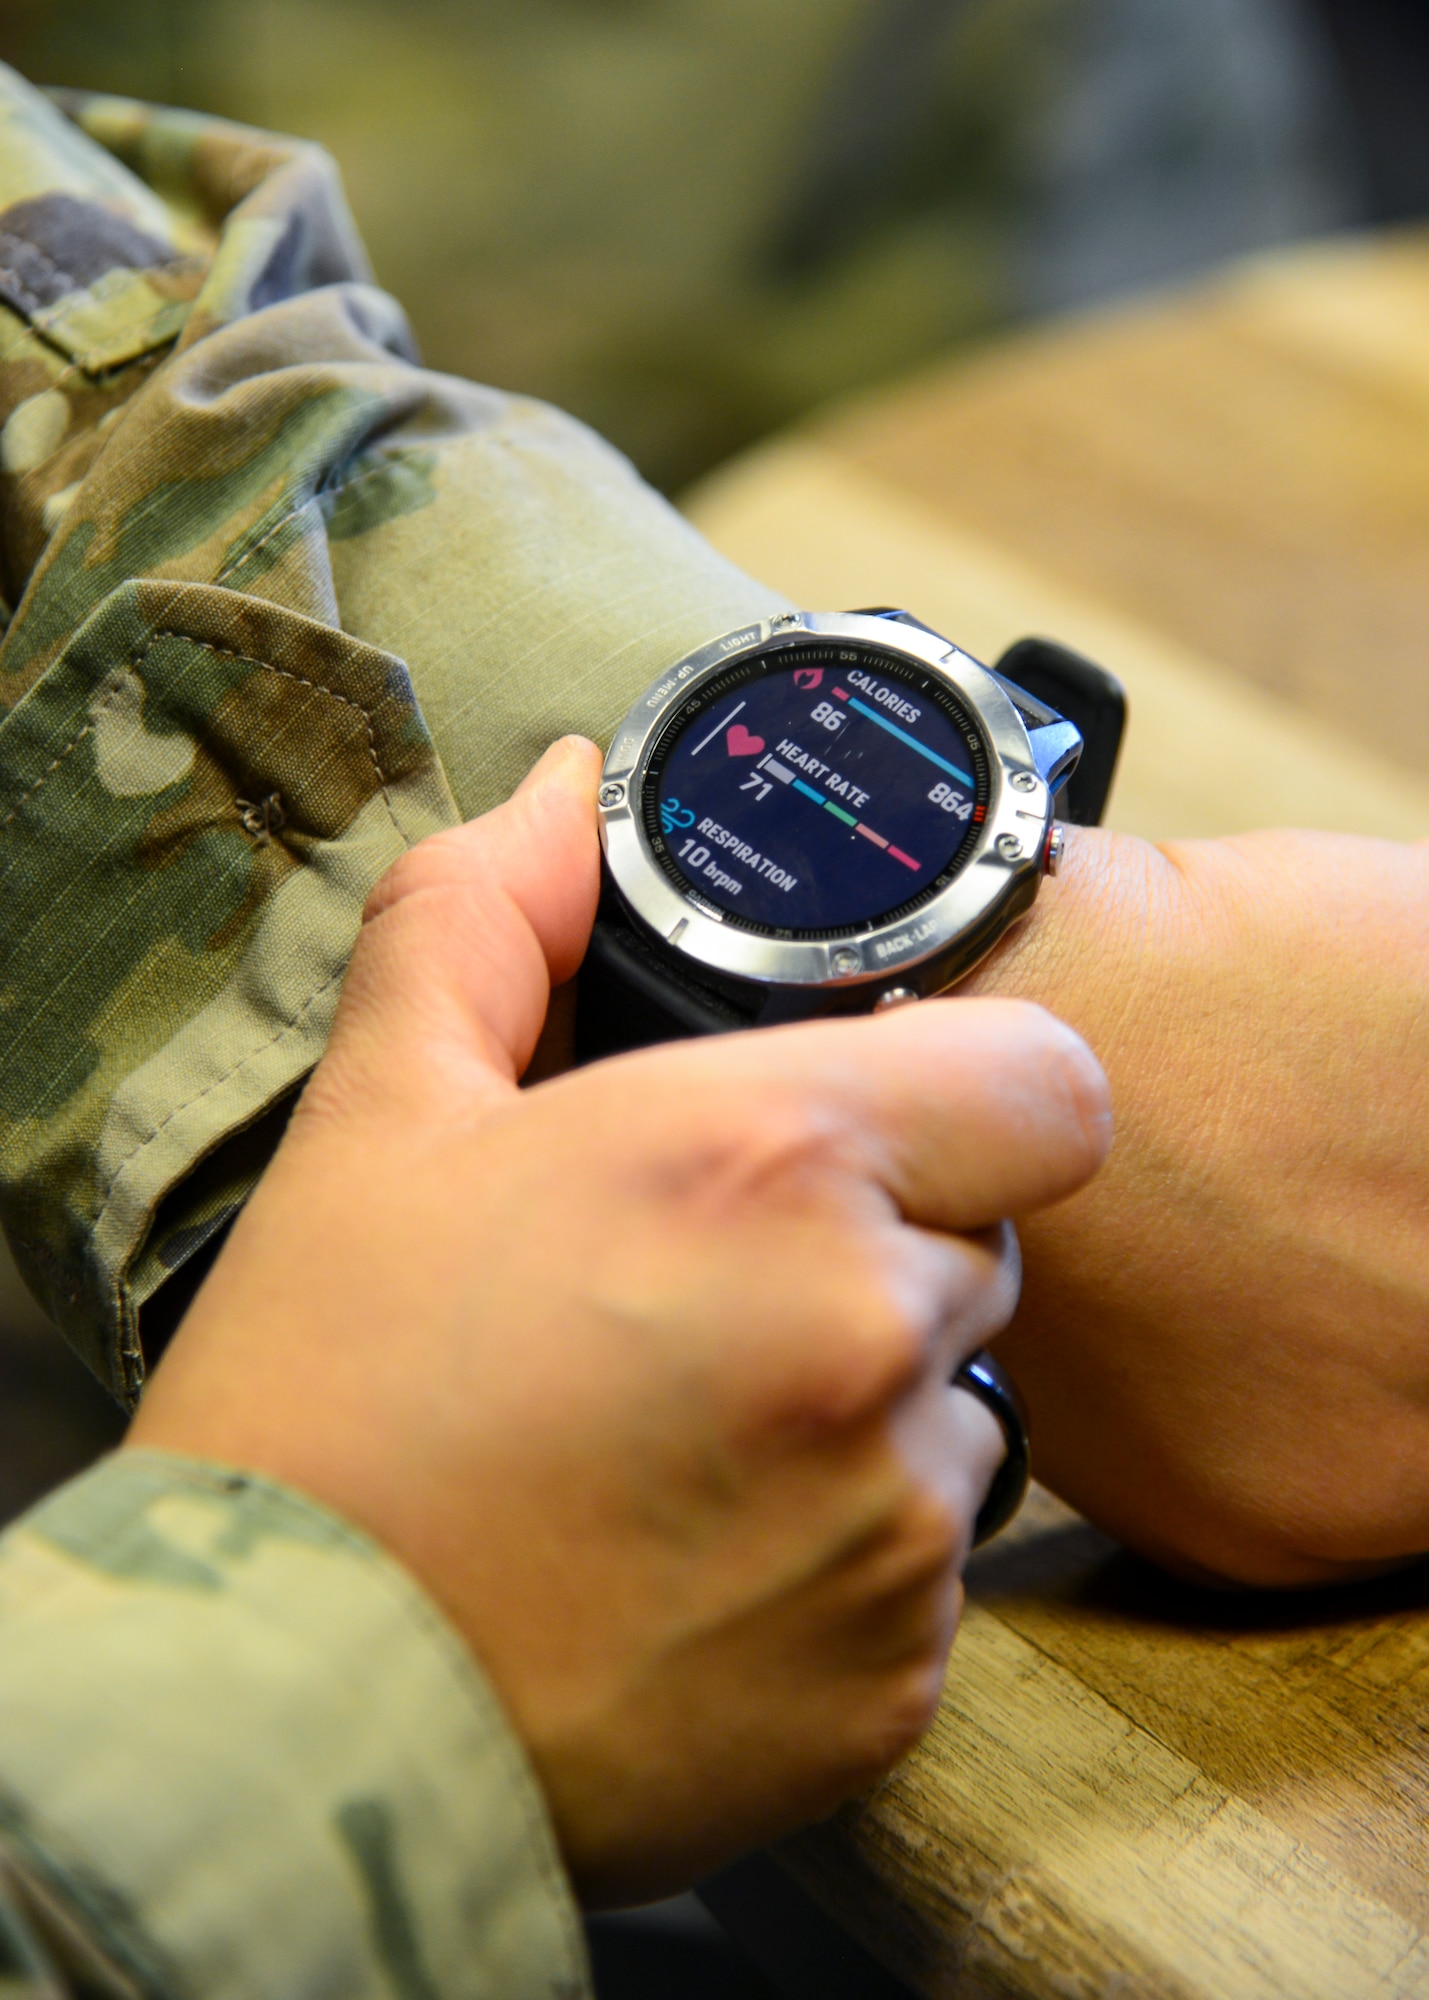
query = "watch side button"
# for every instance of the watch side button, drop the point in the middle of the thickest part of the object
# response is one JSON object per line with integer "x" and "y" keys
{"x": 1055, "y": 848}
{"x": 894, "y": 996}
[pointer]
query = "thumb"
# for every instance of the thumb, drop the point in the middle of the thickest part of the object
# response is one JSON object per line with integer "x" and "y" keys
{"x": 461, "y": 942}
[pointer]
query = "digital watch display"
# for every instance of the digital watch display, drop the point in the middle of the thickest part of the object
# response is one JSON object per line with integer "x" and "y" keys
{"x": 817, "y": 792}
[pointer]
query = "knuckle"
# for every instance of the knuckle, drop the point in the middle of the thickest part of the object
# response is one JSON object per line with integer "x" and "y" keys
{"x": 887, "y": 1332}
{"x": 907, "y": 1705}
{"x": 872, "y": 1347}
{"x": 787, "y": 1146}
{"x": 932, "y": 1534}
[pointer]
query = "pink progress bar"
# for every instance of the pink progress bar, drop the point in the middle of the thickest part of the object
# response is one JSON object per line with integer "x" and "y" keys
{"x": 877, "y": 838}
{"x": 896, "y": 852}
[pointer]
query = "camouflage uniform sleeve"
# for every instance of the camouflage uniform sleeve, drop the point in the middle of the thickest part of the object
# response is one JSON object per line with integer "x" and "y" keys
{"x": 241, "y": 1753}
{"x": 284, "y": 602}
{"x": 277, "y": 602}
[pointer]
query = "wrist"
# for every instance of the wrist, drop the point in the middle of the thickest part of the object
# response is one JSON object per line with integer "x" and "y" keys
{"x": 1070, "y": 953}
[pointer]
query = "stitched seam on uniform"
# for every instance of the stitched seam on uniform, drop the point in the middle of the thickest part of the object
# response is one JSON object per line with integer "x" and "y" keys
{"x": 232, "y": 568}
{"x": 137, "y": 660}
{"x": 339, "y": 486}
{"x": 112, "y": 1190}
{"x": 250, "y": 1055}
{"x": 68, "y": 750}
{"x": 247, "y": 659}
{"x": 319, "y": 687}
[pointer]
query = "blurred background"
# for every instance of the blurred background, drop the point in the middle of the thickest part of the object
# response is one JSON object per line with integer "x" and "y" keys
{"x": 691, "y": 220}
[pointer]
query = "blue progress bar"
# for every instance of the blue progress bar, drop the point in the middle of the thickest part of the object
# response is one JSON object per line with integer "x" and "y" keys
{"x": 912, "y": 741}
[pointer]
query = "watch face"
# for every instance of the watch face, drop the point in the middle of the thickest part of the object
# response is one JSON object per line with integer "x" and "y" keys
{"x": 818, "y": 791}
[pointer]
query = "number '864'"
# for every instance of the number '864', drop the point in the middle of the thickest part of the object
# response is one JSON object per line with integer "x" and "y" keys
{"x": 951, "y": 801}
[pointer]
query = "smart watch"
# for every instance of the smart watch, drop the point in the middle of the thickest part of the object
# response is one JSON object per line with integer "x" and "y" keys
{"x": 832, "y": 813}
{"x": 827, "y": 814}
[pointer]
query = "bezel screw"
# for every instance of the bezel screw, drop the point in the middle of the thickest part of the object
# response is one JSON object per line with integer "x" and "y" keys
{"x": 846, "y": 960}
{"x": 1009, "y": 846}
{"x": 612, "y": 795}
{"x": 1023, "y": 781}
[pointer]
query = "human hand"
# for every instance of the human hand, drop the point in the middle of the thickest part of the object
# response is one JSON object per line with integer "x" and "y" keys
{"x": 1223, "y": 1342}
{"x": 643, "y": 1371}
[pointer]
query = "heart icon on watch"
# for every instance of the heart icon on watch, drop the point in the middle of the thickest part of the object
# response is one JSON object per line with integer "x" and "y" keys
{"x": 741, "y": 743}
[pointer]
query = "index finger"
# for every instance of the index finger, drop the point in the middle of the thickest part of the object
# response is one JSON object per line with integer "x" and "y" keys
{"x": 965, "y": 1111}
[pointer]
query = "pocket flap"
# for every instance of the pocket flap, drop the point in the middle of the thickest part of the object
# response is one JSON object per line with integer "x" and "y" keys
{"x": 195, "y": 801}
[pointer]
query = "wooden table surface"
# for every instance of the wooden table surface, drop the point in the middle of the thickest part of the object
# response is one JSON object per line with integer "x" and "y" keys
{"x": 1135, "y": 1789}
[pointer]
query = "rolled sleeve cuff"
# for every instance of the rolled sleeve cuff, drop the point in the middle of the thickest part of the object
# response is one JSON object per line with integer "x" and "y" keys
{"x": 247, "y": 1754}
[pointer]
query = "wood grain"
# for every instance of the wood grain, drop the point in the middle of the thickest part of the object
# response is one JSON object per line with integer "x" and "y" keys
{"x": 1135, "y": 1790}
{"x": 1117, "y": 1798}
{"x": 1208, "y": 751}
{"x": 1245, "y": 469}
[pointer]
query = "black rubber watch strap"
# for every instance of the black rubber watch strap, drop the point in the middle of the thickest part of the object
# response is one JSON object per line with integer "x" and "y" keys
{"x": 633, "y": 992}
{"x": 1086, "y": 695}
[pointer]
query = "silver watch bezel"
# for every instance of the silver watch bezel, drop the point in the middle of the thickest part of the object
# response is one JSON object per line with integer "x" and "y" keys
{"x": 997, "y": 881}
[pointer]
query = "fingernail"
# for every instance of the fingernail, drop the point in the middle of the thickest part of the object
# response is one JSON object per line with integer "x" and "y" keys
{"x": 553, "y": 759}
